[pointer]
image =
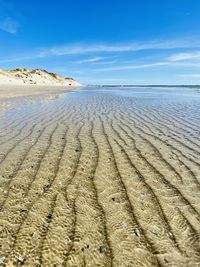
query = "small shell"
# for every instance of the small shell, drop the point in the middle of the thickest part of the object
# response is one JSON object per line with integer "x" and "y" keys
{"x": 20, "y": 260}
{"x": 141, "y": 178}
{"x": 2, "y": 259}
{"x": 137, "y": 232}
{"x": 102, "y": 249}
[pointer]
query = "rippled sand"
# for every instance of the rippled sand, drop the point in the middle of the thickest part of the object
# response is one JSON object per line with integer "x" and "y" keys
{"x": 101, "y": 177}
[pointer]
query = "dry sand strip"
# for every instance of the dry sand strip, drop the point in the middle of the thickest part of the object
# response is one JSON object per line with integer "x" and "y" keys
{"x": 10, "y": 91}
{"x": 98, "y": 180}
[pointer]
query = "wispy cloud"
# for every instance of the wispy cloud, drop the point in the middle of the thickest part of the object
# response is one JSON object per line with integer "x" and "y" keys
{"x": 186, "y": 64}
{"x": 109, "y": 62}
{"x": 130, "y": 67}
{"x": 148, "y": 65}
{"x": 91, "y": 60}
{"x": 109, "y": 48}
{"x": 99, "y": 60}
{"x": 98, "y": 54}
{"x": 88, "y": 49}
{"x": 9, "y": 25}
{"x": 184, "y": 56}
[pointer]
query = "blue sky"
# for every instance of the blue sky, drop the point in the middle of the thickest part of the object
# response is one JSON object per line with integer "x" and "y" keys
{"x": 107, "y": 41}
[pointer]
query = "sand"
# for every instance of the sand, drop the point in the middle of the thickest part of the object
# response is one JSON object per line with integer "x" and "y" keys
{"x": 10, "y": 91}
{"x": 22, "y": 76}
{"x": 100, "y": 177}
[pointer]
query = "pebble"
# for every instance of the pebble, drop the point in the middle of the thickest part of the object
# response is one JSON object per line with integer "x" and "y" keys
{"x": 153, "y": 232}
{"x": 170, "y": 234}
{"x": 2, "y": 259}
{"x": 20, "y": 260}
{"x": 137, "y": 232}
{"x": 49, "y": 216}
{"x": 166, "y": 260}
{"x": 141, "y": 178}
{"x": 46, "y": 188}
{"x": 124, "y": 225}
{"x": 65, "y": 253}
{"x": 102, "y": 249}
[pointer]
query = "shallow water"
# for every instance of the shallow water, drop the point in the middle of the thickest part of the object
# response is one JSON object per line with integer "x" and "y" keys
{"x": 159, "y": 93}
{"x": 101, "y": 177}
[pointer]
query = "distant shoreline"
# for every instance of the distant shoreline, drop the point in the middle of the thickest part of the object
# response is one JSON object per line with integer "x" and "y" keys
{"x": 149, "y": 85}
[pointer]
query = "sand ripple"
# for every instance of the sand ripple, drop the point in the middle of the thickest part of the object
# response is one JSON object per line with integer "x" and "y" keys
{"x": 94, "y": 179}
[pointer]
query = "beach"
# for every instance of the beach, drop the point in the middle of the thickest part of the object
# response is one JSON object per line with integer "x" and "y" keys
{"x": 10, "y": 91}
{"x": 100, "y": 177}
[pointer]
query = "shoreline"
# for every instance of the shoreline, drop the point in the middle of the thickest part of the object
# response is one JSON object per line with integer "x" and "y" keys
{"x": 12, "y": 91}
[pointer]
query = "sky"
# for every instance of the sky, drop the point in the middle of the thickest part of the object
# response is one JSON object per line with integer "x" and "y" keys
{"x": 104, "y": 41}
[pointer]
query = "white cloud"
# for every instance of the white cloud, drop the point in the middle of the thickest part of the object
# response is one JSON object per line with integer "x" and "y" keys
{"x": 104, "y": 62}
{"x": 98, "y": 60}
{"x": 149, "y": 65}
{"x": 126, "y": 47}
{"x": 90, "y": 60}
{"x": 185, "y": 64}
{"x": 130, "y": 67}
{"x": 184, "y": 56}
{"x": 93, "y": 50}
{"x": 9, "y": 25}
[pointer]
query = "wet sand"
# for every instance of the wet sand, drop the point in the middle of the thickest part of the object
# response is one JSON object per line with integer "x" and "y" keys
{"x": 10, "y": 91}
{"x": 101, "y": 177}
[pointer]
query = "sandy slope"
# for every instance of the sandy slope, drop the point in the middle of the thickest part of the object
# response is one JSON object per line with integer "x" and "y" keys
{"x": 22, "y": 76}
{"x": 24, "y": 82}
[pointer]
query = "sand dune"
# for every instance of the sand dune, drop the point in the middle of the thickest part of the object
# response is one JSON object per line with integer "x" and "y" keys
{"x": 93, "y": 179}
{"x": 22, "y": 76}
